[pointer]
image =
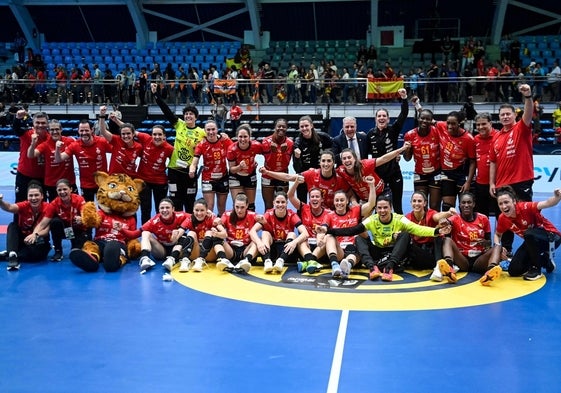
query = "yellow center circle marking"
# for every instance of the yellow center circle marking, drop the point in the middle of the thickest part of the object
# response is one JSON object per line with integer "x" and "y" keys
{"x": 398, "y": 295}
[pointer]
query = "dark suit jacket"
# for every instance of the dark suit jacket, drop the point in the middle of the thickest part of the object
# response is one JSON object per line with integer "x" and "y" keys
{"x": 340, "y": 143}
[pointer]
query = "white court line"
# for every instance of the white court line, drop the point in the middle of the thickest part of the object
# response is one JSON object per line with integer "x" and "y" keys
{"x": 333, "y": 385}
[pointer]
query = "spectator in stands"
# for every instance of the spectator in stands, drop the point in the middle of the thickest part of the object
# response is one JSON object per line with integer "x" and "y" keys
{"x": 266, "y": 84}
{"x": 382, "y": 139}
{"x": 97, "y": 88}
{"x": 347, "y": 85}
{"x": 556, "y": 115}
{"x": 29, "y": 169}
{"x": 220, "y": 113}
{"x": 182, "y": 186}
{"x": 554, "y": 81}
{"x": 142, "y": 85}
{"x": 25, "y": 241}
{"x": 307, "y": 150}
{"x": 292, "y": 85}
{"x": 515, "y": 47}
{"x": 131, "y": 86}
{"x": 432, "y": 85}
{"x": 91, "y": 154}
{"x": 485, "y": 203}
{"x": 511, "y": 155}
{"x": 371, "y": 54}
{"x": 213, "y": 149}
{"x": 54, "y": 171}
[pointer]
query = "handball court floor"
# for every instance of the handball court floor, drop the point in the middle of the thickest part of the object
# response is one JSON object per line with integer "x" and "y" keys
{"x": 64, "y": 330}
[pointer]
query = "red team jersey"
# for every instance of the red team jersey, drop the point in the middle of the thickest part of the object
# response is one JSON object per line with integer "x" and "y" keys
{"x": 328, "y": 186}
{"x": 31, "y": 167}
{"x": 152, "y": 166}
{"x": 482, "y": 147}
{"x": 238, "y": 233}
{"x": 66, "y": 213}
{"x": 91, "y": 158}
{"x": 238, "y": 155}
{"x": 527, "y": 216}
{"x": 467, "y": 234}
{"x": 27, "y": 219}
{"x": 54, "y": 171}
{"x": 199, "y": 227}
{"x": 351, "y": 218}
{"x": 454, "y": 150}
{"x": 111, "y": 227}
{"x": 310, "y": 220}
{"x": 426, "y": 221}
{"x": 214, "y": 157}
{"x": 361, "y": 188}
{"x": 123, "y": 157}
{"x": 279, "y": 228}
{"x": 161, "y": 229}
{"x": 513, "y": 154}
{"x": 426, "y": 150}
{"x": 277, "y": 157}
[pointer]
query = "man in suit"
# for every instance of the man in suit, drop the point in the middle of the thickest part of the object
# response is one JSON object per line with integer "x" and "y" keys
{"x": 350, "y": 138}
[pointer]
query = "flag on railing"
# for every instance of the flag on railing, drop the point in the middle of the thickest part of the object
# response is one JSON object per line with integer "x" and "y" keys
{"x": 225, "y": 86}
{"x": 380, "y": 88}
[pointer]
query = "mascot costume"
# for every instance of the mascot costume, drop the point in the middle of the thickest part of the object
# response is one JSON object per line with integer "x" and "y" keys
{"x": 116, "y": 236}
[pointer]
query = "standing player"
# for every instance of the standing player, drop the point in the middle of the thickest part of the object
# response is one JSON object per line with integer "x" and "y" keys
{"x": 511, "y": 155}
{"x": 182, "y": 184}
{"x": 213, "y": 149}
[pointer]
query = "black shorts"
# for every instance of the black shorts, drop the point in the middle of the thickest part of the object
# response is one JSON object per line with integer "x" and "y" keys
{"x": 236, "y": 181}
{"x": 277, "y": 184}
{"x": 427, "y": 180}
{"x": 220, "y": 186}
{"x": 452, "y": 181}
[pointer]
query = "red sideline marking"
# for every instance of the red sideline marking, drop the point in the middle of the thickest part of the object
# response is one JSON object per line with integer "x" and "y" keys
{"x": 3, "y": 229}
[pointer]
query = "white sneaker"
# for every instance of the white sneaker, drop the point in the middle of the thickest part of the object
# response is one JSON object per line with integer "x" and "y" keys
{"x": 184, "y": 265}
{"x": 268, "y": 266}
{"x": 223, "y": 264}
{"x": 198, "y": 264}
{"x": 335, "y": 270}
{"x": 146, "y": 263}
{"x": 455, "y": 268}
{"x": 346, "y": 267}
{"x": 169, "y": 263}
{"x": 244, "y": 264}
{"x": 436, "y": 275}
{"x": 279, "y": 264}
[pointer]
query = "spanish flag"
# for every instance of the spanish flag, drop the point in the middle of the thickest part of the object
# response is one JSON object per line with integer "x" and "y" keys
{"x": 380, "y": 88}
{"x": 225, "y": 86}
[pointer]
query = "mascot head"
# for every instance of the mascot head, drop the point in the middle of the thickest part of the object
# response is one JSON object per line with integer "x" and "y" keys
{"x": 118, "y": 194}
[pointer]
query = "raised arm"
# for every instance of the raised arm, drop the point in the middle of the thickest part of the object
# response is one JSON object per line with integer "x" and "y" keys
{"x": 526, "y": 92}
{"x": 32, "y": 152}
{"x": 392, "y": 155}
{"x": 292, "y": 193}
{"x": 169, "y": 115}
{"x": 278, "y": 175}
{"x": 103, "y": 131}
{"x": 60, "y": 155}
{"x": 7, "y": 206}
{"x": 369, "y": 205}
{"x": 551, "y": 201}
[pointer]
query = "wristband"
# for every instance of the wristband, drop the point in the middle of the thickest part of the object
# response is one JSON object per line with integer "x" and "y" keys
{"x": 530, "y": 97}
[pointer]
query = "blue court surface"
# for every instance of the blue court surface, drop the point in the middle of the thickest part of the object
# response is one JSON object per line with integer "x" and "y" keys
{"x": 69, "y": 331}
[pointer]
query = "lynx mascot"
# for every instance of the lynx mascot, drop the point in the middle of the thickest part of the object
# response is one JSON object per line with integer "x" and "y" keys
{"x": 116, "y": 237}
